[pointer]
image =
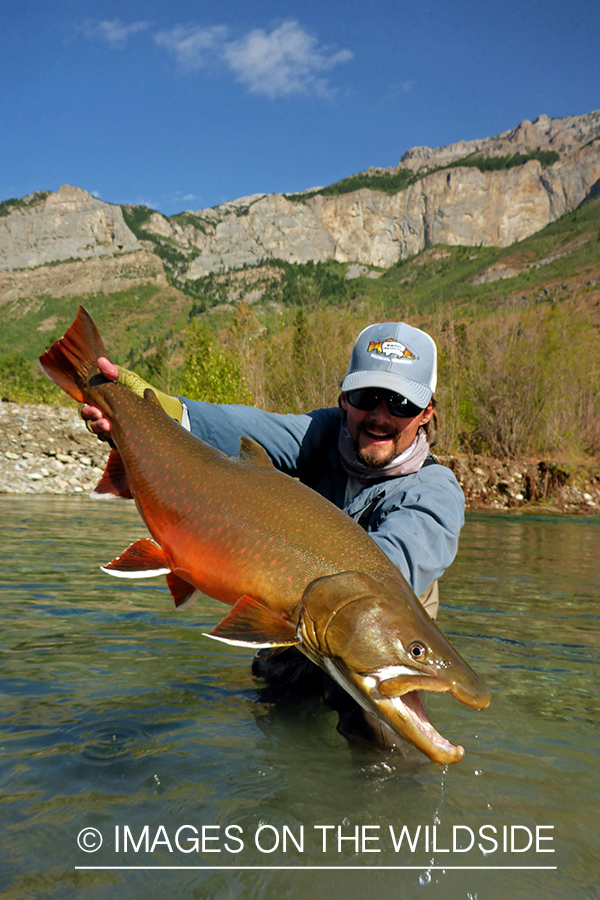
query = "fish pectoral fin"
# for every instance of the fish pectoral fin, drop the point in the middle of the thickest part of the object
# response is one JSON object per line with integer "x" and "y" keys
{"x": 142, "y": 559}
{"x": 182, "y": 592}
{"x": 252, "y": 451}
{"x": 252, "y": 624}
{"x": 114, "y": 479}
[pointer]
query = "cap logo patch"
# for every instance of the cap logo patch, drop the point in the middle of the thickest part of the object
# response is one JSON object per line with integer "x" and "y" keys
{"x": 390, "y": 348}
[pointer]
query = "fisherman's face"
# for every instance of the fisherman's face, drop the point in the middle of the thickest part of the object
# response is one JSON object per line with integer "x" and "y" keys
{"x": 378, "y": 436}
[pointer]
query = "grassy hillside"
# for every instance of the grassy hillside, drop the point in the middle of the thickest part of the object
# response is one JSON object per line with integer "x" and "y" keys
{"x": 517, "y": 329}
{"x": 562, "y": 260}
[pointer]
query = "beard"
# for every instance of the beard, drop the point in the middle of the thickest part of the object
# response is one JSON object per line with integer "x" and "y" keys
{"x": 367, "y": 457}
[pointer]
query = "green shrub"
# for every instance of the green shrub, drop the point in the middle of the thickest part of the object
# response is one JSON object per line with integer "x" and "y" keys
{"x": 212, "y": 372}
{"x": 135, "y": 219}
{"x": 387, "y": 182}
{"x": 394, "y": 182}
{"x": 531, "y": 381}
{"x": 22, "y": 382}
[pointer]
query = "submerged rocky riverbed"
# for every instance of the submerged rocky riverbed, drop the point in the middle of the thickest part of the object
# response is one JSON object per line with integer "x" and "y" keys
{"x": 48, "y": 450}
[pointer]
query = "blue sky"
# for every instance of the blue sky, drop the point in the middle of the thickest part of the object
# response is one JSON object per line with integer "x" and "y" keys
{"x": 185, "y": 104}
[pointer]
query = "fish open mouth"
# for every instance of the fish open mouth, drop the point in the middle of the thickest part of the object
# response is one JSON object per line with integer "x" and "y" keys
{"x": 422, "y": 733}
{"x": 403, "y": 714}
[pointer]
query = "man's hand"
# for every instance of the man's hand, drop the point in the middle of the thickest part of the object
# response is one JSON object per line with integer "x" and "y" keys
{"x": 94, "y": 418}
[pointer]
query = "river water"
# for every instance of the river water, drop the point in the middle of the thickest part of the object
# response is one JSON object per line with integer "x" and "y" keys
{"x": 117, "y": 715}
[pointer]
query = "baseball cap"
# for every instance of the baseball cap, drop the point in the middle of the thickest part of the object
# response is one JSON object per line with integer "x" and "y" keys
{"x": 395, "y": 356}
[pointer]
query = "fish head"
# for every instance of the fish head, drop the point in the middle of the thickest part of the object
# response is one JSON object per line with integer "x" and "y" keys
{"x": 381, "y": 646}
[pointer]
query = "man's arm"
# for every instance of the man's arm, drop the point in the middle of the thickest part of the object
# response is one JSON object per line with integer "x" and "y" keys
{"x": 418, "y": 530}
{"x": 290, "y": 440}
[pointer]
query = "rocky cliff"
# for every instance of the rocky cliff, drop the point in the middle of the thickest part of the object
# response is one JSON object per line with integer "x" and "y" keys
{"x": 70, "y": 224}
{"x": 448, "y": 204}
{"x": 564, "y": 136}
{"x": 451, "y": 198}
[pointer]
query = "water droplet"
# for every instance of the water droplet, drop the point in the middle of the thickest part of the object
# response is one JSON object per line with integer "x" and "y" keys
{"x": 346, "y": 821}
{"x": 425, "y": 877}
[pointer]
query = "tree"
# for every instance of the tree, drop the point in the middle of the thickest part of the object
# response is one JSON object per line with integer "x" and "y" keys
{"x": 212, "y": 372}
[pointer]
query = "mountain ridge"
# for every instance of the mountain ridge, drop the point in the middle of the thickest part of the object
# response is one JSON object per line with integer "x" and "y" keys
{"x": 466, "y": 193}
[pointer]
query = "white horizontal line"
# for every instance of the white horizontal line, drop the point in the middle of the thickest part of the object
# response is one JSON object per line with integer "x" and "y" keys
{"x": 319, "y": 868}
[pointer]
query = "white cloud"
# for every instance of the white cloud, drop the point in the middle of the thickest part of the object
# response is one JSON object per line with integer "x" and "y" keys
{"x": 193, "y": 46}
{"x": 113, "y": 31}
{"x": 288, "y": 60}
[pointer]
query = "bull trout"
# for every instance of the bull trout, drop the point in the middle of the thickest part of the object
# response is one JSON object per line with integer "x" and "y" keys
{"x": 294, "y": 568}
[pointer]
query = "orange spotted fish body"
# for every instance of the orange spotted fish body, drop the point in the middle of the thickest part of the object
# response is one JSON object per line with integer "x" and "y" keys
{"x": 292, "y": 566}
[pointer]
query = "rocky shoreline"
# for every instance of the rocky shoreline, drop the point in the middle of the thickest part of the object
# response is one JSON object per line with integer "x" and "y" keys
{"x": 48, "y": 450}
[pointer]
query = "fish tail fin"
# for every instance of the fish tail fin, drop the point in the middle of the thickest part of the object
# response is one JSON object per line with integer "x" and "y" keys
{"x": 72, "y": 360}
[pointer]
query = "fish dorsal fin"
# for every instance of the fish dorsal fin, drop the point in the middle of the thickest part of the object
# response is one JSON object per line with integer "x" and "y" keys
{"x": 151, "y": 397}
{"x": 142, "y": 559}
{"x": 251, "y": 451}
{"x": 114, "y": 479}
{"x": 252, "y": 624}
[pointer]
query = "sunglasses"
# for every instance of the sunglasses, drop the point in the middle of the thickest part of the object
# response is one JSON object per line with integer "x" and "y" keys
{"x": 368, "y": 399}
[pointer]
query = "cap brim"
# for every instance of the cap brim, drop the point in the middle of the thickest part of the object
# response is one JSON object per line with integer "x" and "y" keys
{"x": 417, "y": 393}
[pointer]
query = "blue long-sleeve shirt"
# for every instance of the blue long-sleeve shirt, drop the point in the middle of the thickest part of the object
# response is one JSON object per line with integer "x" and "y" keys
{"x": 416, "y": 519}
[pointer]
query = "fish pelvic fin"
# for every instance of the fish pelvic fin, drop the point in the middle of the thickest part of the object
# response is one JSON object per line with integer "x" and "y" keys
{"x": 182, "y": 592}
{"x": 252, "y": 624}
{"x": 252, "y": 451}
{"x": 142, "y": 559}
{"x": 71, "y": 361}
{"x": 114, "y": 479}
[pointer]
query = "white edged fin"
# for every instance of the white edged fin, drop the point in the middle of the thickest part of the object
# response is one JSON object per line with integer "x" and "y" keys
{"x": 142, "y": 559}
{"x": 233, "y": 643}
{"x": 250, "y": 623}
{"x": 191, "y": 599}
{"x": 124, "y": 573}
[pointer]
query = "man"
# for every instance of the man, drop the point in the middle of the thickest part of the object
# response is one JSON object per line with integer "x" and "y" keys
{"x": 370, "y": 457}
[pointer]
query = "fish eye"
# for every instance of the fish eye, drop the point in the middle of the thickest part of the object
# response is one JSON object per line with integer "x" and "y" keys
{"x": 417, "y": 650}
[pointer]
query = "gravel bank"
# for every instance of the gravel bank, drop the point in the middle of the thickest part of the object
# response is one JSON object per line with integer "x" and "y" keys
{"x": 48, "y": 450}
